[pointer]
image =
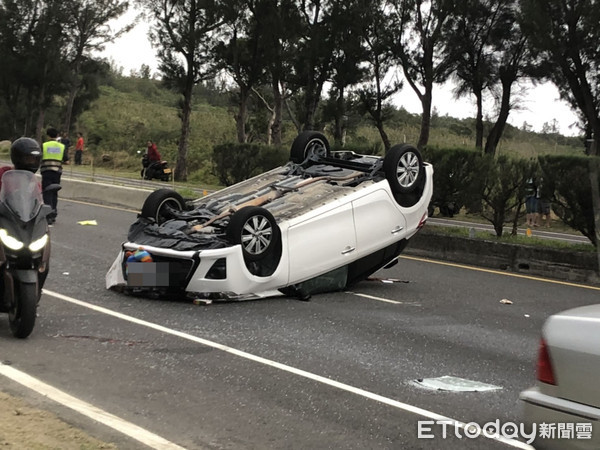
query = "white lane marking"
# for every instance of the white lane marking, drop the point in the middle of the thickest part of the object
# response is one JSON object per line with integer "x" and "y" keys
{"x": 311, "y": 376}
{"x": 91, "y": 411}
{"x": 380, "y": 299}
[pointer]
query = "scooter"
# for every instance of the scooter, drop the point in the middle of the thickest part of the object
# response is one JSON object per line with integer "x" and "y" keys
{"x": 24, "y": 248}
{"x": 156, "y": 169}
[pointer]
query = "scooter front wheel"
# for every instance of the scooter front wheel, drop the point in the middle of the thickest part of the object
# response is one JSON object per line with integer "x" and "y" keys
{"x": 22, "y": 313}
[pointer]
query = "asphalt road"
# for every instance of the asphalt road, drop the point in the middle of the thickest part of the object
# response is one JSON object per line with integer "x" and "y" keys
{"x": 336, "y": 372}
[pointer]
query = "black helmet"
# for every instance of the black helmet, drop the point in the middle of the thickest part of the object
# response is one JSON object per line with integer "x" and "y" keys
{"x": 25, "y": 154}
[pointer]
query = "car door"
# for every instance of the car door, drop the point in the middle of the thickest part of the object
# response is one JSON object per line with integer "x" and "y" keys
{"x": 321, "y": 243}
{"x": 378, "y": 222}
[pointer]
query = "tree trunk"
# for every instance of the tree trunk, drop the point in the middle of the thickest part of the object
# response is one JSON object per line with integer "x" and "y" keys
{"x": 70, "y": 103}
{"x": 496, "y": 132}
{"x": 384, "y": 137}
{"x": 242, "y": 116}
{"x": 182, "y": 150}
{"x": 340, "y": 112}
{"x": 277, "y": 114}
{"x": 40, "y": 124}
{"x": 41, "y": 115}
{"x": 479, "y": 122}
{"x": 425, "y": 119}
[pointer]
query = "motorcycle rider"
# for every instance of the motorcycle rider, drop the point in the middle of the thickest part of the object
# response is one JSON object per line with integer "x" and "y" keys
{"x": 153, "y": 158}
{"x": 25, "y": 154}
{"x": 53, "y": 157}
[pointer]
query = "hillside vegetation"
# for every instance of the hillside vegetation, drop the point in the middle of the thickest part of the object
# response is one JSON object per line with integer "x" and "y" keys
{"x": 132, "y": 110}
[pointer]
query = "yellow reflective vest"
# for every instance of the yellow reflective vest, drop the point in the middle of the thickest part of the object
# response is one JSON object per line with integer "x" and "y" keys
{"x": 53, "y": 153}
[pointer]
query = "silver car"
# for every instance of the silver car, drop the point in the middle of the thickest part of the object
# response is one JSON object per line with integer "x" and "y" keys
{"x": 564, "y": 406}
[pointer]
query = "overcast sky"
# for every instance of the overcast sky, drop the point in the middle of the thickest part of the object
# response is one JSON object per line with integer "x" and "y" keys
{"x": 539, "y": 104}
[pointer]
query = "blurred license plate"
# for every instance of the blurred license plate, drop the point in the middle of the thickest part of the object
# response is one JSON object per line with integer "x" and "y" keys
{"x": 147, "y": 274}
{"x": 167, "y": 170}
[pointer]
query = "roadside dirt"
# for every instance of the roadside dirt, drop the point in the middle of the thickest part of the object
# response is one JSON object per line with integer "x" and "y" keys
{"x": 25, "y": 427}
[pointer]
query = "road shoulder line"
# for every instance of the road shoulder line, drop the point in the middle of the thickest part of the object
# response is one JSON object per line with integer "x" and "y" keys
{"x": 133, "y": 431}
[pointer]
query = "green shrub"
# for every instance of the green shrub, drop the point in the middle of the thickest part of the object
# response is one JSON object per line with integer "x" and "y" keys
{"x": 503, "y": 192}
{"x": 568, "y": 181}
{"x": 457, "y": 180}
{"x": 237, "y": 162}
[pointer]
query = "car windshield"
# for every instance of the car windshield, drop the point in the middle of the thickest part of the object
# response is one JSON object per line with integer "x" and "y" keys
{"x": 21, "y": 193}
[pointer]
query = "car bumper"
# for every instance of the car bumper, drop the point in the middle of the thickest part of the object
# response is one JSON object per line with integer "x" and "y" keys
{"x": 211, "y": 273}
{"x": 540, "y": 408}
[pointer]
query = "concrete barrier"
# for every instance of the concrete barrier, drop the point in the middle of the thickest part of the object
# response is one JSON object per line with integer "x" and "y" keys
{"x": 105, "y": 194}
{"x": 565, "y": 265}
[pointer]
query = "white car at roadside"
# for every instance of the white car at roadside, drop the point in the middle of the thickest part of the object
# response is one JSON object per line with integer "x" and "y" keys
{"x": 320, "y": 223}
{"x": 564, "y": 405}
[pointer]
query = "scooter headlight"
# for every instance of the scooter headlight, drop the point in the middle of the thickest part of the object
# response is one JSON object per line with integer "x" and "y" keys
{"x": 9, "y": 241}
{"x": 39, "y": 244}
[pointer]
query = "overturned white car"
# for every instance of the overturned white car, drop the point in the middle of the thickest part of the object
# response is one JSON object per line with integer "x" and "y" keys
{"x": 320, "y": 223}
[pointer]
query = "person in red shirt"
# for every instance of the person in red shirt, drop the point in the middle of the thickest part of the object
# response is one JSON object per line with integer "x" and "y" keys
{"x": 79, "y": 149}
{"x": 153, "y": 155}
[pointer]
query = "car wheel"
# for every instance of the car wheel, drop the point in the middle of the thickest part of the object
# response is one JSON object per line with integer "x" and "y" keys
{"x": 161, "y": 204}
{"x": 309, "y": 143}
{"x": 256, "y": 230}
{"x": 403, "y": 168}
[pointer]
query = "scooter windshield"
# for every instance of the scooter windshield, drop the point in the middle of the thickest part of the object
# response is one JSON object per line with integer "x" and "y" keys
{"x": 21, "y": 193}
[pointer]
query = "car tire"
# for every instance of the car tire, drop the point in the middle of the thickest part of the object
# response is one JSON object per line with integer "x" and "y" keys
{"x": 256, "y": 230}
{"x": 309, "y": 143}
{"x": 159, "y": 205}
{"x": 403, "y": 168}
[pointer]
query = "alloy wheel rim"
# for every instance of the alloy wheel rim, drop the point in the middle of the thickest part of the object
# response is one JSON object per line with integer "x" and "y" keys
{"x": 257, "y": 234}
{"x": 408, "y": 169}
{"x": 316, "y": 147}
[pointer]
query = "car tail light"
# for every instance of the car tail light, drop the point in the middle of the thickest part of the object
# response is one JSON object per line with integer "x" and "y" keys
{"x": 422, "y": 221}
{"x": 544, "y": 365}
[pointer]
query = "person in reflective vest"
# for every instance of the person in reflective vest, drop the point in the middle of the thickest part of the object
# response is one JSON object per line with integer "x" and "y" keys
{"x": 53, "y": 157}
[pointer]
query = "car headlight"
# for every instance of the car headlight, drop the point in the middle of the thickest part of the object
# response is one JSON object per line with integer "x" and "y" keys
{"x": 39, "y": 243}
{"x": 9, "y": 241}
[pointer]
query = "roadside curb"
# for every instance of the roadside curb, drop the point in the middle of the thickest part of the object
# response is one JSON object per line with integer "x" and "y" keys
{"x": 570, "y": 266}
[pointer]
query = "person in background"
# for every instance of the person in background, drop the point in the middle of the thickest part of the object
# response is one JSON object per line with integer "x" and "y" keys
{"x": 64, "y": 140}
{"x": 153, "y": 155}
{"x": 79, "y": 149}
{"x": 543, "y": 204}
{"x": 53, "y": 157}
{"x": 531, "y": 203}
